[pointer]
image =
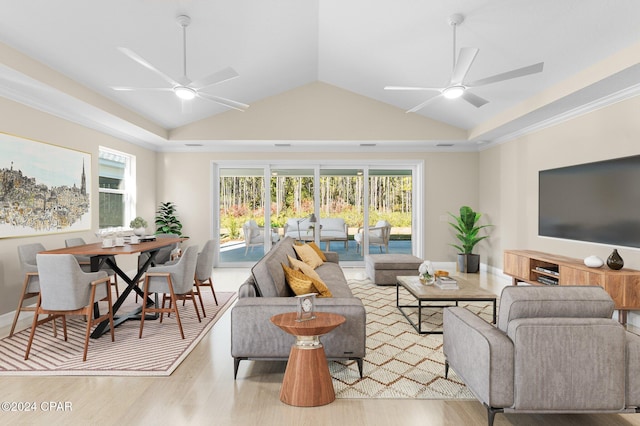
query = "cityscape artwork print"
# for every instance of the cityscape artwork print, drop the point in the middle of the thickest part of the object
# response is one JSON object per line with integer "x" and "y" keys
{"x": 44, "y": 188}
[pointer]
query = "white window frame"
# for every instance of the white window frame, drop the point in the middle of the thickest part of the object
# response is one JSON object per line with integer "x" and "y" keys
{"x": 129, "y": 186}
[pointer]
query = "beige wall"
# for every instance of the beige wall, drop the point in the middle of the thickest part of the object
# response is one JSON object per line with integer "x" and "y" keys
{"x": 23, "y": 121}
{"x": 509, "y": 177}
{"x": 318, "y": 111}
{"x": 450, "y": 180}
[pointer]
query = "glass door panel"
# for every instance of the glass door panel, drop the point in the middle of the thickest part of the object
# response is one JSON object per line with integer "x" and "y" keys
{"x": 341, "y": 211}
{"x": 242, "y": 215}
{"x": 292, "y": 203}
{"x": 390, "y": 211}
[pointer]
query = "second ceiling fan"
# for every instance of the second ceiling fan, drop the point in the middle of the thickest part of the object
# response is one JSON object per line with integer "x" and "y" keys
{"x": 186, "y": 89}
{"x": 458, "y": 87}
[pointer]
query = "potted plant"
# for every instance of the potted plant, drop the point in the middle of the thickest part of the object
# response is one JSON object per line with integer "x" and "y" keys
{"x": 138, "y": 225}
{"x": 466, "y": 225}
{"x": 167, "y": 221}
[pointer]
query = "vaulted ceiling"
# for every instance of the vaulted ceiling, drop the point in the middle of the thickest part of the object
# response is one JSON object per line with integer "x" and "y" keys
{"x": 359, "y": 46}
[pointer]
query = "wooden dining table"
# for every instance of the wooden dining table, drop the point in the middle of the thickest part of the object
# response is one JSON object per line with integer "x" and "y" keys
{"x": 100, "y": 256}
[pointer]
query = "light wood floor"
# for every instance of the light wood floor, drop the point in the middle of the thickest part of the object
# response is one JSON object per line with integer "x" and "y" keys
{"x": 202, "y": 392}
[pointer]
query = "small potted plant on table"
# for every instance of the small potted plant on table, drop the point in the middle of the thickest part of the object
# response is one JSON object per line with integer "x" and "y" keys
{"x": 138, "y": 225}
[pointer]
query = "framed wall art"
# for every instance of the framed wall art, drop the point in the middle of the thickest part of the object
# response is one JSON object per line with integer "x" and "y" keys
{"x": 44, "y": 188}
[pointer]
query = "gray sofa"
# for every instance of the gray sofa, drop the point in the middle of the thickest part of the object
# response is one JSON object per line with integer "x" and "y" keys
{"x": 554, "y": 350}
{"x": 265, "y": 293}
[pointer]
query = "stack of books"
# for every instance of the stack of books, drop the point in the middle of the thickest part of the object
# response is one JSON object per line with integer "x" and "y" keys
{"x": 446, "y": 283}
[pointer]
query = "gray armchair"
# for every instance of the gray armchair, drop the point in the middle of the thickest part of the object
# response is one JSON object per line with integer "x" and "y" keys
{"x": 554, "y": 350}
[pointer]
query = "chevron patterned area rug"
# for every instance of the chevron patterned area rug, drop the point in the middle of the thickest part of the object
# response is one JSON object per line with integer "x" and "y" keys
{"x": 400, "y": 363}
{"x": 158, "y": 353}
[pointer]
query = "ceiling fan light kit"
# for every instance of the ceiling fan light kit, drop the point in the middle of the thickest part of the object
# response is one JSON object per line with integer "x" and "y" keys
{"x": 457, "y": 87}
{"x": 453, "y": 92}
{"x": 184, "y": 92}
{"x": 186, "y": 89}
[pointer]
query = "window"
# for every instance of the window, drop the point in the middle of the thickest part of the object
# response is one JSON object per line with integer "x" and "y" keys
{"x": 116, "y": 187}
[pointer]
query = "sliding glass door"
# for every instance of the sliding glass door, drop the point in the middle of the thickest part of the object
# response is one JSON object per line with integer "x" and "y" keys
{"x": 350, "y": 209}
{"x": 241, "y": 215}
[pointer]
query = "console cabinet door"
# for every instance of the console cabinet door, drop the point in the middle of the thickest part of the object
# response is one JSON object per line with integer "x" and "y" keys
{"x": 574, "y": 276}
{"x": 516, "y": 266}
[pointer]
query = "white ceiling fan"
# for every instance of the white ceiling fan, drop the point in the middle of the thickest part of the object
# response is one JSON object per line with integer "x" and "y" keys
{"x": 458, "y": 87}
{"x": 186, "y": 89}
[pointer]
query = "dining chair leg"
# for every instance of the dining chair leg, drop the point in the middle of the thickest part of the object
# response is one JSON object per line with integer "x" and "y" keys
{"x": 174, "y": 303}
{"x": 24, "y": 295}
{"x": 34, "y": 324}
{"x": 115, "y": 284}
{"x": 210, "y": 284}
{"x": 86, "y": 338}
{"x": 144, "y": 305}
{"x": 195, "y": 305}
{"x": 198, "y": 292}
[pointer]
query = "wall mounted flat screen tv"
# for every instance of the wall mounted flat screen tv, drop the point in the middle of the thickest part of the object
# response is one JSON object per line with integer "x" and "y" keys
{"x": 595, "y": 202}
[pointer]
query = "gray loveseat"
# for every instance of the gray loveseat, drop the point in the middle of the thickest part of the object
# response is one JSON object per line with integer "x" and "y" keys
{"x": 265, "y": 293}
{"x": 554, "y": 350}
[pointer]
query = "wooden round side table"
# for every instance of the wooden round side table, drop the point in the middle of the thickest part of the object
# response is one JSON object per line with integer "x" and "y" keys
{"x": 307, "y": 382}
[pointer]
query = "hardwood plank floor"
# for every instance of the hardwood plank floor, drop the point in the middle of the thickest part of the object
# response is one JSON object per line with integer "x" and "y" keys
{"x": 202, "y": 392}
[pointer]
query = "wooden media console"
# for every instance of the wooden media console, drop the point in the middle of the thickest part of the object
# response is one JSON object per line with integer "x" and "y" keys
{"x": 540, "y": 268}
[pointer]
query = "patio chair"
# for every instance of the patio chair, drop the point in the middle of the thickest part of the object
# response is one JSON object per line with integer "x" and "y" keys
{"x": 378, "y": 236}
{"x": 253, "y": 235}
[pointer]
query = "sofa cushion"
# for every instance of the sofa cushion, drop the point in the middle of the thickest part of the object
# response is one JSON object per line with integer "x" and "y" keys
{"x": 298, "y": 282}
{"x": 332, "y": 224}
{"x": 268, "y": 274}
{"x": 308, "y": 255}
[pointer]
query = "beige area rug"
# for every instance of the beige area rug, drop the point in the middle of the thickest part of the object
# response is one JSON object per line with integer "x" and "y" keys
{"x": 158, "y": 353}
{"x": 400, "y": 363}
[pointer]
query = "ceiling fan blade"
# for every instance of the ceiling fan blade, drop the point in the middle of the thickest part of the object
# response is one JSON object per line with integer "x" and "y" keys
{"x": 463, "y": 64}
{"x": 474, "y": 100}
{"x": 424, "y": 104}
{"x": 139, "y": 59}
{"x": 223, "y": 101}
{"x": 520, "y": 72}
{"x": 215, "y": 78}
{"x": 155, "y": 89}
{"x": 411, "y": 88}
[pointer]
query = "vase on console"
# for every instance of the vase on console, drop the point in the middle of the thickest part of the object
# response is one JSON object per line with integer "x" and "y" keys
{"x": 614, "y": 261}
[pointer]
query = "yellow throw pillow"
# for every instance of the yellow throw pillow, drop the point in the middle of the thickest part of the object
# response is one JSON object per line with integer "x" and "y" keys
{"x": 299, "y": 283}
{"x": 308, "y": 271}
{"x": 318, "y": 251}
{"x": 315, "y": 247}
{"x": 308, "y": 255}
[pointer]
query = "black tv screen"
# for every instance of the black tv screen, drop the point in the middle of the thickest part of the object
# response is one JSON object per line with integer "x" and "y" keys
{"x": 595, "y": 202}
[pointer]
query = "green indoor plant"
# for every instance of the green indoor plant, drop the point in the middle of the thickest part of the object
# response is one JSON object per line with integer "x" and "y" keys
{"x": 167, "y": 221}
{"x": 467, "y": 228}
